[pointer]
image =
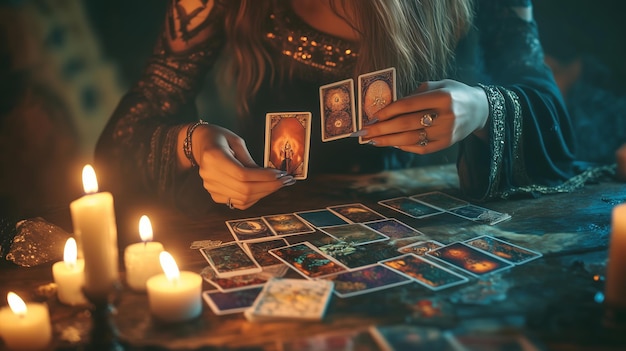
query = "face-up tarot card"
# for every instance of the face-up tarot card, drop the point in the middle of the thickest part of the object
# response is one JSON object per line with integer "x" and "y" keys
{"x": 287, "y": 224}
{"x": 506, "y": 251}
{"x": 394, "y": 229}
{"x": 421, "y": 248}
{"x": 365, "y": 280}
{"x": 316, "y": 239}
{"x": 259, "y": 250}
{"x": 321, "y": 218}
{"x": 480, "y": 214}
{"x": 425, "y": 272}
{"x": 356, "y": 213}
{"x": 337, "y": 110}
{"x": 230, "y": 259}
{"x": 440, "y": 200}
{"x": 249, "y": 229}
{"x": 354, "y": 233}
{"x": 231, "y": 302}
{"x": 469, "y": 259}
{"x": 307, "y": 260}
{"x": 357, "y": 256}
{"x": 412, "y": 337}
{"x": 410, "y": 207}
{"x": 375, "y": 91}
{"x": 287, "y": 142}
{"x": 237, "y": 282}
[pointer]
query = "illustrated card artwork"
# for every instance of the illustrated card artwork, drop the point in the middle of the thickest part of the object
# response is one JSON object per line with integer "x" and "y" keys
{"x": 231, "y": 302}
{"x": 229, "y": 260}
{"x": 357, "y": 213}
{"x": 469, "y": 259}
{"x": 287, "y": 224}
{"x": 316, "y": 239}
{"x": 307, "y": 260}
{"x": 237, "y": 282}
{"x": 425, "y": 272}
{"x": 259, "y": 251}
{"x": 354, "y": 233}
{"x": 440, "y": 200}
{"x": 249, "y": 229}
{"x": 375, "y": 91}
{"x": 337, "y": 110}
{"x": 505, "y": 250}
{"x": 321, "y": 218}
{"x": 287, "y": 142}
{"x": 365, "y": 280}
{"x": 421, "y": 248}
{"x": 480, "y": 214}
{"x": 410, "y": 207}
{"x": 357, "y": 256}
{"x": 394, "y": 229}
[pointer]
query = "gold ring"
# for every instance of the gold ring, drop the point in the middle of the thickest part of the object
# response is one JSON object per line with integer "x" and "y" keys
{"x": 230, "y": 204}
{"x": 428, "y": 118}
{"x": 423, "y": 138}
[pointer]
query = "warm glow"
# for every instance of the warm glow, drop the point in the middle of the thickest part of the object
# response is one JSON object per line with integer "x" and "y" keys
{"x": 70, "y": 253}
{"x": 145, "y": 228}
{"x": 16, "y": 304}
{"x": 169, "y": 266}
{"x": 90, "y": 182}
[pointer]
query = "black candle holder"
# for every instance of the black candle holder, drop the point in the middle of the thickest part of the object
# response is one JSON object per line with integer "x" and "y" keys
{"x": 104, "y": 335}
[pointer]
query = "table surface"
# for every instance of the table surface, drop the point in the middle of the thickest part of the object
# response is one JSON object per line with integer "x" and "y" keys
{"x": 554, "y": 300}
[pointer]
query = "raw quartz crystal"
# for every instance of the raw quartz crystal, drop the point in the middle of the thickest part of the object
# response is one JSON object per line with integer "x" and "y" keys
{"x": 36, "y": 241}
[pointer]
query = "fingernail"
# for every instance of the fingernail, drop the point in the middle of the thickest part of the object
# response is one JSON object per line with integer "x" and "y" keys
{"x": 359, "y": 133}
{"x": 371, "y": 142}
{"x": 289, "y": 181}
{"x": 371, "y": 121}
{"x": 280, "y": 174}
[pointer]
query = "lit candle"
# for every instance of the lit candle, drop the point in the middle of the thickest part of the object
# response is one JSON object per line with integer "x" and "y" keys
{"x": 25, "y": 326}
{"x": 142, "y": 259}
{"x": 93, "y": 218}
{"x": 69, "y": 276}
{"x": 174, "y": 296}
{"x": 616, "y": 270}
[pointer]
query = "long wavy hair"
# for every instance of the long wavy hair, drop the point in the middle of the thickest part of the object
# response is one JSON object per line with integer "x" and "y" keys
{"x": 418, "y": 37}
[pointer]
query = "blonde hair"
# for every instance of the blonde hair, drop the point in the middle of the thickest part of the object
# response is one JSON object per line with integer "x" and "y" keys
{"x": 418, "y": 37}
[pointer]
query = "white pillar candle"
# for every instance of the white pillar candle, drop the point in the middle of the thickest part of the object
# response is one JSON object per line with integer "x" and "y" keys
{"x": 616, "y": 270}
{"x": 142, "y": 259}
{"x": 174, "y": 296}
{"x": 93, "y": 217}
{"x": 69, "y": 276}
{"x": 25, "y": 326}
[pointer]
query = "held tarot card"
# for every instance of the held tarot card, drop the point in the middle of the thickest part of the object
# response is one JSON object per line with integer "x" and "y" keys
{"x": 425, "y": 272}
{"x": 505, "y": 250}
{"x": 287, "y": 142}
{"x": 229, "y": 260}
{"x": 375, "y": 91}
{"x": 337, "y": 110}
{"x": 365, "y": 280}
{"x": 231, "y": 302}
{"x": 469, "y": 259}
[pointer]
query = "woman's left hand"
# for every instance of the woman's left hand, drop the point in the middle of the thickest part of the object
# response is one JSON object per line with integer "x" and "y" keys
{"x": 436, "y": 116}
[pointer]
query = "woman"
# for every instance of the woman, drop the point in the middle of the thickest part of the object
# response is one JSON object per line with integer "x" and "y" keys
{"x": 477, "y": 68}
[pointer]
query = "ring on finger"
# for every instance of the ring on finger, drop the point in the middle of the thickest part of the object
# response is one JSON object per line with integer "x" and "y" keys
{"x": 428, "y": 118}
{"x": 230, "y": 204}
{"x": 423, "y": 138}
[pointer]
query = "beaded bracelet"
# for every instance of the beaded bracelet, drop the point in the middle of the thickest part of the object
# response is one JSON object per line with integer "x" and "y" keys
{"x": 187, "y": 143}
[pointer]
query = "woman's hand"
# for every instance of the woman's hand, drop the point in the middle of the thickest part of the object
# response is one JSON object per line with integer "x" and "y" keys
{"x": 436, "y": 116}
{"x": 228, "y": 171}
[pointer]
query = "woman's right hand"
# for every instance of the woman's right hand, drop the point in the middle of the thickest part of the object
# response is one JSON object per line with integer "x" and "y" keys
{"x": 228, "y": 171}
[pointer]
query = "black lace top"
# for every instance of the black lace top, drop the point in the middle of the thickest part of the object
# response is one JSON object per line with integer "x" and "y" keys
{"x": 530, "y": 136}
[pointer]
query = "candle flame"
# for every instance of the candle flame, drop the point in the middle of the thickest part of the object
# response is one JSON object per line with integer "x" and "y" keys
{"x": 90, "y": 182}
{"x": 70, "y": 253}
{"x": 16, "y": 304}
{"x": 169, "y": 266}
{"x": 145, "y": 228}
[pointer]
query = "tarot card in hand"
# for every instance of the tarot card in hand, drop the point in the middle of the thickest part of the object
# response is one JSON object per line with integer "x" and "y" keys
{"x": 505, "y": 250}
{"x": 232, "y": 301}
{"x": 307, "y": 260}
{"x": 259, "y": 251}
{"x": 287, "y": 142}
{"x": 354, "y": 233}
{"x": 321, "y": 218}
{"x": 440, "y": 200}
{"x": 366, "y": 279}
{"x": 421, "y": 248}
{"x": 469, "y": 259}
{"x": 356, "y": 213}
{"x": 375, "y": 91}
{"x": 230, "y": 259}
{"x": 287, "y": 224}
{"x": 337, "y": 109}
{"x": 410, "y": 207}
{"x": 425, "y": 272}
{"x": 249, "y": 229}
{"x": 480, "y": 214}
{"x": 394, "y": 229}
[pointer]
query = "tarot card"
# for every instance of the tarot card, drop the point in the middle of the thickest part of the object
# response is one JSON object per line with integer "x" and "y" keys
{"x": 337, "y": 110}
{"x": 354, "y": 233}
{"x": 365, "y": 280}
{"x": 259, "y": 251}
{"x": 469, "y": 259}
{"x": 307, "y": 260}
{"x": 410, "y": 207}
{"x": 356, "y": 213}
{"x": 249, "y": 229}
{"x": 440, "y": 200}
{"x": 344, "y": 340}
{"x": 480, "y": 214}
{"x": 357, "y": 256}
{"x": 505, "y": 250}
{"x": 375, "y": 91}
{"x": 321, "y": 218}
{"x": 287, "y": 224}
{"x": 288, "y": 299}
{"x": 411, "y": 337}
{"x": 394, "y": 229}
{"x": 287, "y": 142}
{"x": 231, "y": 302}
{"x": 421, "y": 248}
{"x": 230, "y": 259}
{"x": 237, "y": 282}
{"x": 316, "y": 239}
{"x": 425, "y": 272}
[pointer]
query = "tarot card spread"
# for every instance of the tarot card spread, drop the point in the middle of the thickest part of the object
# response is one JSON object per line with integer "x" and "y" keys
{"x": 287, "y": 141}
{"x": 338, "y": 115}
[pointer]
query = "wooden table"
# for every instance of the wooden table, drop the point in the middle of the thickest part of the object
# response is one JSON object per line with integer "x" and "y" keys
{"x": 554, "y": 300}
